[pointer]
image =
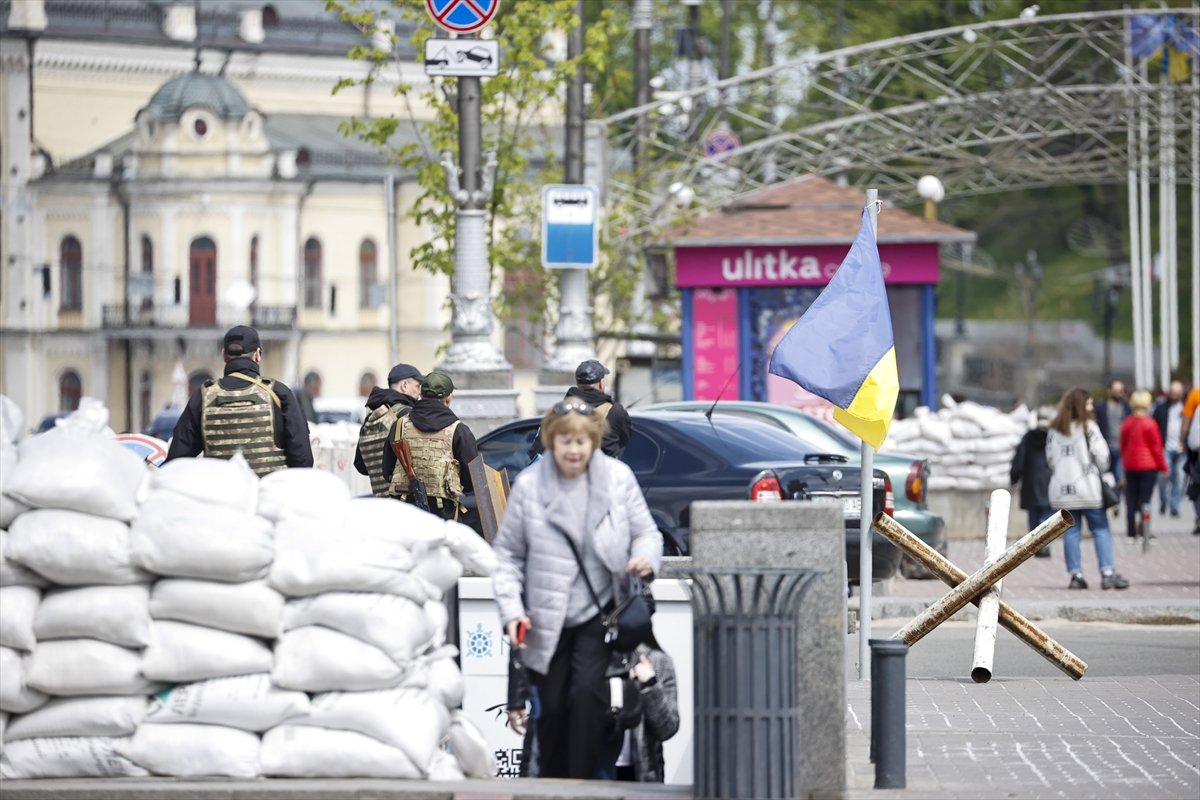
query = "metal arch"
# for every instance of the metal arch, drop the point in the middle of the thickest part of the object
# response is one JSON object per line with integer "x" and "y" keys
{"x": 989, "y": 107}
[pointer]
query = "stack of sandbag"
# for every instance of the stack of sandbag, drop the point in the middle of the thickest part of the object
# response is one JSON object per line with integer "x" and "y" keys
{"x": 969, "y": 446}
{"x": 74, "y": 606}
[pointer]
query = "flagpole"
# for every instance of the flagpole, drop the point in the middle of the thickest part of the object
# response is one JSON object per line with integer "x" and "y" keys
{"x": 1195, "y": 221}
{"x": 1135, "y": 243}
{"x": 865, "y": 513}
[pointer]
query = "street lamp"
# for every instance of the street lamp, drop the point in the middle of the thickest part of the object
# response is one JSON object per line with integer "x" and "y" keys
{"x": 933, "y": 192}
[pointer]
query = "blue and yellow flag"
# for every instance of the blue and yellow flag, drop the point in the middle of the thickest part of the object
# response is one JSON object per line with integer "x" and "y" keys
{"x": 842, "y": 348}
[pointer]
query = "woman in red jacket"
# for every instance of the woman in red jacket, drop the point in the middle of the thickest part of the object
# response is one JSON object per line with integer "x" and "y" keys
{"x": 1142, "y": 455}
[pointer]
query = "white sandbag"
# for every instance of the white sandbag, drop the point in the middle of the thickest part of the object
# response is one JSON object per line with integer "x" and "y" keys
{"x": 117, "y": 614}
{"x": 181, "y": 652}
{"x": 965, "y": 429}
{"x": 304, "y": 751}
{"x": 12, "y": 421}
{"x": 80, "y": 716}
{"x": 247, "y": 702}
{"x": 16, "y": 695}
{"x": 995, "y": 444}
{"x": 89, "y": 473}
{"x": 475, "y": 555}
{"x": 178, "y": 536}
{"x": 405, "y": 524}
{"x": 936, "y": 430}
{"x": 319, "y": 659}
{"x": 410, "y": 719}
{"x": 440, "y": 568}
{"x": 228, "y": 483}
{"x": 3, "y": 729}
{"x": 308, "y": 493}
{"x": 445, "y": 767}
{"x": 439, "y": 618}
{"x": 18, "y": 607}
{"x": 396, "y": 625}
{"x": 439, "y": 675}
{"x": 470, "y": 748}
{"x": 10, "y": 509}
{"x": 252, "y": 608}
{"x": 73, "y": 549}
{"x": 942, "y": 481}
{"x": 14, "y": 574}
{"x": 73, "y": 667}
{"x": 67, "y": 757}
{"x": 311, "y": 558}
{"x": 189, "y": 751}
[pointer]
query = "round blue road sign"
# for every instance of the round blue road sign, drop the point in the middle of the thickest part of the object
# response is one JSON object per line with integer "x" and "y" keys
{"x": 462, "y": 16}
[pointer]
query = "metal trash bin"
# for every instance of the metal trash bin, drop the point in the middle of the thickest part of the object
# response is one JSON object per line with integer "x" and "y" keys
{"x": 745, "y": 627}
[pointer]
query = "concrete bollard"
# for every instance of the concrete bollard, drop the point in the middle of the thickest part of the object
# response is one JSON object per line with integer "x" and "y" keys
{"x": 989, "y": 601}
{"x": 889, "y": 739}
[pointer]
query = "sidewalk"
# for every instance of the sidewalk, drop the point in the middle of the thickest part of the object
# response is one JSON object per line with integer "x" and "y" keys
{"x": 1165, "y": 583}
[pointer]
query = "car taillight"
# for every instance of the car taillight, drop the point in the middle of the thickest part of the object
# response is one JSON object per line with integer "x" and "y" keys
{"x": 889, "y": 497}
{"x": 914, "y": 486}
{"x": 766, "y": 487}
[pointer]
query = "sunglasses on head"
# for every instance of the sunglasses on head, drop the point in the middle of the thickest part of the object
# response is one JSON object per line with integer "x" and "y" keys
{"x": 566, "y": 408}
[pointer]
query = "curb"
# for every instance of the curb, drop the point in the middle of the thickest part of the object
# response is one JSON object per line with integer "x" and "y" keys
{"x": 1125, "y": 612}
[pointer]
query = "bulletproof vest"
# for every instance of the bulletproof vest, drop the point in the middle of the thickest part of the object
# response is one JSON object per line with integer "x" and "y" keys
{"x": 433, "y": 461}
{"x": 241, "y": 420}
{"x": 372, "y": 439}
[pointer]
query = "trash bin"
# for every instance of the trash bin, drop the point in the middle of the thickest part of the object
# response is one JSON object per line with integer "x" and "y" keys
{"x": 747, "y": 734}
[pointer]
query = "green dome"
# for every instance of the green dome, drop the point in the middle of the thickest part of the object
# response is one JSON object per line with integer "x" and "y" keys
{"x": 197, "y": 89}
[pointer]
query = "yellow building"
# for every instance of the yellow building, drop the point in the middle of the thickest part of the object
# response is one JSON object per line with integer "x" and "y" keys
{"x": 168, "y": 175}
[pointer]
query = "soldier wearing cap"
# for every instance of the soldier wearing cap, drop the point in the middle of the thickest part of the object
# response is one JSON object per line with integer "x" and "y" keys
{"x": 384, "y": 407}
{"x": 589, "y": 387}
{"x": 244, "y": 412}
{"x": 441, "y": 445}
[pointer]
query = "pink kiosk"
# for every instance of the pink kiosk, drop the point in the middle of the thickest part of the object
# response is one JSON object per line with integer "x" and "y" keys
{"x": 750, "y": 270}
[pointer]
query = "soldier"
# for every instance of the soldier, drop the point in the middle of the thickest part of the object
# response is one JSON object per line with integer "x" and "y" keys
{"x": 244, "y": 412}
{"x": 386, "y": 406}
{"x": 441, "y": 445}
{"x": 589, "y": 387}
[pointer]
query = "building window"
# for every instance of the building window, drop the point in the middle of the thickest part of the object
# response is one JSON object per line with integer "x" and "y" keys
{"x": 367, "y": 275}
{"x": 312, "y": 274}
{"x": 70, "y": 389}
{"x": 254, "y": 270}
{"x": 146, "y": 287}
{"x": 200, "y": 127}
{"x": 366, "y": 383}
{"x": 71, "y": 275}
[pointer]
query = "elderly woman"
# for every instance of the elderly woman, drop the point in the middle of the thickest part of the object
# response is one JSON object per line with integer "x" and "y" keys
{"x": 580, "y": 497}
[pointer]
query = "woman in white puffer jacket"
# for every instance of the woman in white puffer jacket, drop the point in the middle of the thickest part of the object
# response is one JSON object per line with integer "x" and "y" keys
{"x": 1078, "y": 457}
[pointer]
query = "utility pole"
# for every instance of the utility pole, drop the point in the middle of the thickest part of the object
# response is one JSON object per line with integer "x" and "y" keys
{"x": 643, "y": 20}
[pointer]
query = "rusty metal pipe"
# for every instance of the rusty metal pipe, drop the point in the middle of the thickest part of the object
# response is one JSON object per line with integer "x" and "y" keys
{"x": 1012, "y": 620}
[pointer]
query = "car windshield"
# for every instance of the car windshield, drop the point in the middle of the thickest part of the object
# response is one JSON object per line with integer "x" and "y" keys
{"x": 824, "y": 434}
{"x": 741, "y": 441}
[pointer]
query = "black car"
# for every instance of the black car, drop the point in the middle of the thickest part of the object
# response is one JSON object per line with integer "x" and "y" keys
{"x": 679, "y": 457}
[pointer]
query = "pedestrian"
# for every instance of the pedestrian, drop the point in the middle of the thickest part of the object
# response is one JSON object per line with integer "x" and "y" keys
{"x": 307, "y": 396}
{"x": 1078, "y": 456}
{"x": 1168, "y": 413}
{"x": 590, "y": 388}
{"x": 243, "y": 413}
{"x": 384, "y": 407}
{"x": 442, "y": 447}
{"x": 1190, "y": 436}
{"x": 1142, "y": 449}
{"x": 1029, "y": 468}
{"x": 1109, "y": 416}
{"x": 577, "y": 506}
{"x": 637, "y": 754}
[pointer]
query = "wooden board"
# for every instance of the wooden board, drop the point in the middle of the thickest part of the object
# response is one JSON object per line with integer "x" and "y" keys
{"x": 491, "y": 496}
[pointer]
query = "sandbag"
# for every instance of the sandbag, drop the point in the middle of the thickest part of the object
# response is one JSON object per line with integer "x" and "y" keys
{"x": 318, "y": 659}
{"x": 445, "y": 767}
{"x": 181, "y": 537}
{"x": 80, "y": 716}
{"x": 396, "y": 625}
{"x": 16, "y": 695}
{"x": 73, "y": 667}
{"x": 418, "y": 531}
{"x": 439, "y": 618}
{"x": 410, "y": 719}
{"x": 18, "y": 607}
{"x": 247, "y": 702}
{"x": 73, "y": 549}
{"x": 116, "y": 614}
{"x": 10, "y": 509}
{"x": 14, "y": 574}
{"x": 227, "y": 483}
{"x": 252, "y": 608}
{"x": 12, "y": 421}
{"x": 67, "y": 757}
{"x": 470, "y": 748}
{"x": 311, "y": 559}
{"x": 182, "y": 652}
{"x": 438, "y": 674}
{"x": 189, "y": 751}
{"x": 440, "y": 568}
{"x": 310, "y": 494}
{"x": 475, "y": 555}
{"x": 85, "y": 472}
{"x": 304, "y": 751}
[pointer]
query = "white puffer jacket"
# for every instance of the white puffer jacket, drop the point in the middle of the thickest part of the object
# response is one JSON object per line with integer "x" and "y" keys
{"x": 1076, "y": 463}
{"x": 535, "y": 566}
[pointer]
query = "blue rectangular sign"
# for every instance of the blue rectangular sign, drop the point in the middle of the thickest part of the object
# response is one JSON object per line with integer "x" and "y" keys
{"x": 569, "y": 230}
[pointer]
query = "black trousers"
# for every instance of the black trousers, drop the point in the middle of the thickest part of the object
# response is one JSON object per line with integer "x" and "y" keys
{"x": 1139, "y": 488}
{"x": 574, "y": 702}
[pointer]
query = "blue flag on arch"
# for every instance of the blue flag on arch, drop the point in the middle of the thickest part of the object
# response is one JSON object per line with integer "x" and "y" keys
{"x": 842, "y": 348}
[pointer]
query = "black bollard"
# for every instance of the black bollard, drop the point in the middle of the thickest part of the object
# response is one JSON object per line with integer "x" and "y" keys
{"x": 888, "y": 739}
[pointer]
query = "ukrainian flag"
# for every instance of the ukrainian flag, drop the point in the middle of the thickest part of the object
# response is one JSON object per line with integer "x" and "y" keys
{"x": 842, "y": 348}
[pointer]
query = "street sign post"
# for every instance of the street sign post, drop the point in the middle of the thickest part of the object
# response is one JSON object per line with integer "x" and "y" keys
{"x": 462, "y": 16}
{"x": 466, "y": 58}
{"x": 569, "y": 231}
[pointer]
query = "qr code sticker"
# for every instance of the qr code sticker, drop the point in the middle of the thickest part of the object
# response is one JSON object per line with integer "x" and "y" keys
{"x": 508, "y": 763}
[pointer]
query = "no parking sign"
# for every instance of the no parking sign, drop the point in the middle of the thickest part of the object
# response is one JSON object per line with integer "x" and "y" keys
{"x": 462, "y": 16}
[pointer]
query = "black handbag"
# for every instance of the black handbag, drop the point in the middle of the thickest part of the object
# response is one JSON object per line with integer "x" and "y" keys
{"x": 1108, "y": 494}
{"x": 631, "y": 622}
{"x": 624, "y": 697}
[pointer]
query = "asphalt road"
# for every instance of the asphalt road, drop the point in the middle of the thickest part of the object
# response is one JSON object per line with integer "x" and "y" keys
{"x": 1110, "y": 650}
